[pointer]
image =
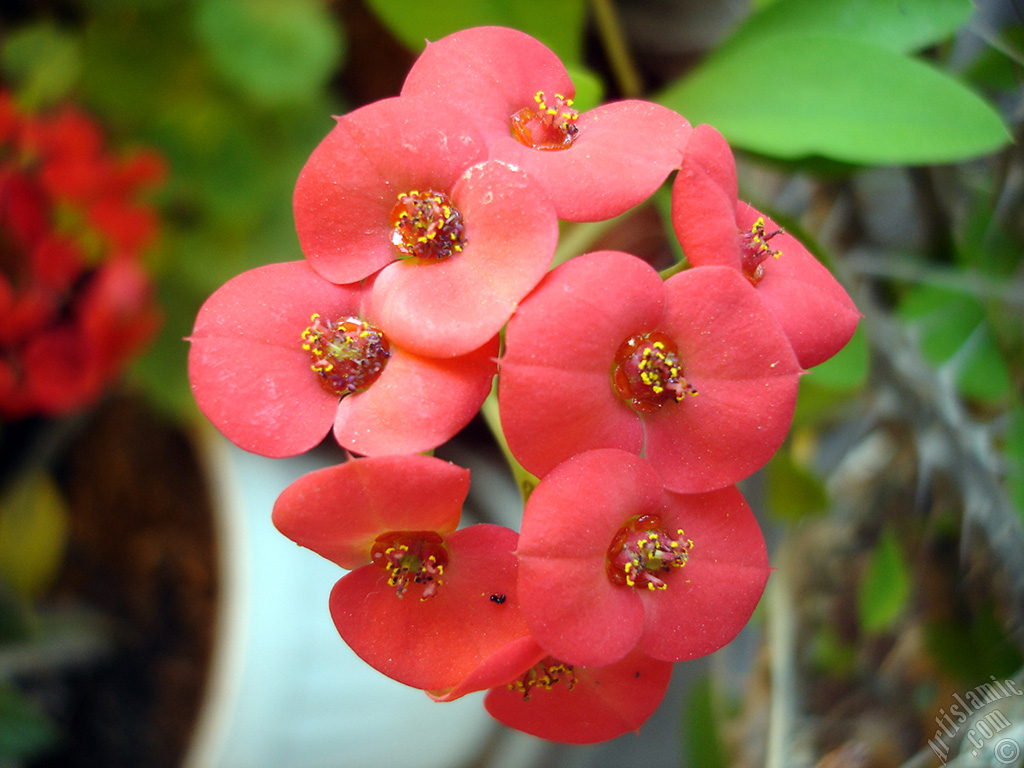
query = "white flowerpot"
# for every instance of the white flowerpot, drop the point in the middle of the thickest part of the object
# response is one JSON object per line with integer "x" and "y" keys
{"x": 285, "y": 691}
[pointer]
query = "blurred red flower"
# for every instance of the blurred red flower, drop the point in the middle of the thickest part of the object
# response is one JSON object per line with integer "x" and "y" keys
{"x": 76, "y": 302}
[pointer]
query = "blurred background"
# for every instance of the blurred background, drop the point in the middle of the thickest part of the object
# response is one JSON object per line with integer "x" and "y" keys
{"x": 151, "y": 616}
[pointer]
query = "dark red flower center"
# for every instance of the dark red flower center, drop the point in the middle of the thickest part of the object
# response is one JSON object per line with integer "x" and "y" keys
{"x": 756, "y": 250}
{"x": 647, "y": 372}
{"x": 426, "y": 225}
{"x": 544, "y": 675}
{"x": 411, "y": 558}
{"x": 550, "y": 125}
{"x": 348, "y": 355}
{"x": 642, "y": 552}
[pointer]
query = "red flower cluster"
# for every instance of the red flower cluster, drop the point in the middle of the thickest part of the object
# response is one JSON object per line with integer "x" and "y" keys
{"x": 75, "y": 300}
{"x": 428, "y": 222}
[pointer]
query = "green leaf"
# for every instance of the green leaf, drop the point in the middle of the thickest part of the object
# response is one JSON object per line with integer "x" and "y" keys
{"x": 276, "y": 51}
{"x": 841, "y": 98}
{"x": 846, "y": 370}
{"x": 559, "y": 25}
{"x": 23, "y": 731}
{"x": 33, "y": 531}
{"x": 949, "y": 323}
{"x": 42, "y": 60}
{"x": 899, "y": 25}
{"x": 885, "y": 587}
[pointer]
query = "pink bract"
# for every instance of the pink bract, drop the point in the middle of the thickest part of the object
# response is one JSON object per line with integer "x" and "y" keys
{"x": 429, "y": 626}
{"x": 346, "y": 190}
{"x": 621, "y": 153}
{"x": 252, "y": 378}
{"x": 339, "y": 511}
{"x": 816, "y": 313}
{"x": 557, "y": 393}
{"x": 576, "y": 608}
{"x": 496, "y": 228}
{"x": 581, "y": 705}
{"x": 456, "y": 304}
{"x": 436, "y": 643}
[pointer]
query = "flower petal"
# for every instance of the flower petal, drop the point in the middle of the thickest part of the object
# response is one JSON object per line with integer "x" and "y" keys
{"x": 347, "y": 189}
{"x": 704, "y": 201}
{"x": 814, "y": 310}
{"x": 489, "y": 73}
{"x": 417, "y": 404}
{"x": 435, "y": 644}
{"x": 746, "y": 376}
{"x": 555, "y": 389}
{"x": 709, "y": 600}
{"x": 455, "y": 305}
{"x": 249, "y": 373}
{"x": 622, "y": 153}
{"x": 339, "y": 511}
{"x": 573, "y": 609}
{"x": 589, "y": 704}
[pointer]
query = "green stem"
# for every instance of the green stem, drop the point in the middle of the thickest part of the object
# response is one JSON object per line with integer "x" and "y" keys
{"x": 627, "y": 77}
{"x": 525, "y": 481}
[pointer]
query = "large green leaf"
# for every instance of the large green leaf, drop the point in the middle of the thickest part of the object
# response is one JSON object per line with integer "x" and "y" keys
{"x": 276, "y": 51}
{"x": 836, "y": 97}
{"x": 559, "y": 25}
{"x": 899, "y": 25}
{"x": 952, "y": 326}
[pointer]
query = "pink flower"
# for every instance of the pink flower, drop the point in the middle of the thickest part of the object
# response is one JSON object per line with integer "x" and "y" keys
{"x": 515, "y": 91}
{"x": 425, "y": 604}
{"x": 404, "y": 187}
{"x": 693, "y": 372}
{"x": 581, "y": 705}
{"x": 714, "y": 229}
{"x": 279, "y": 355}
{"x": 610, "y": 561}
